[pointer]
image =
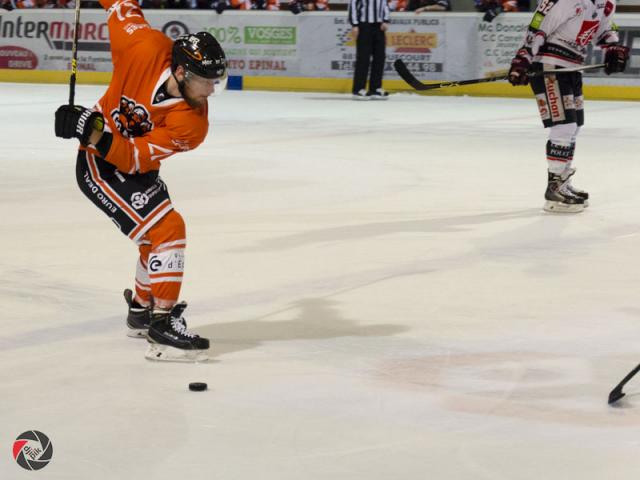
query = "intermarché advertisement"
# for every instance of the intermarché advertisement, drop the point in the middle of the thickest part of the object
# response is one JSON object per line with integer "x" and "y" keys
{"x": 317, "y": 45}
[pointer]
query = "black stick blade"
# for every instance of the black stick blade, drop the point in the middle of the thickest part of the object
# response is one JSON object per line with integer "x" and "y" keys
{"x": 615, "y": 395}
{"x": 408, "y": 77}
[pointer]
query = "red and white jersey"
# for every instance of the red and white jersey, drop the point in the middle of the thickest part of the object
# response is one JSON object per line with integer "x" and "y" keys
{"x": 147, "y": 125}
{"x": 561, "y": 30}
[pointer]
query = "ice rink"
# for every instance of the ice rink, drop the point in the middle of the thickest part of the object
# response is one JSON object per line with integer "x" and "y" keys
{"x": 385, "y": 297}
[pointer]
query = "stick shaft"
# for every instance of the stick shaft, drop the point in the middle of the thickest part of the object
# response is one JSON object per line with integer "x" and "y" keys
{"x": 408, "y": 77}
{"x": 74, "y": 56}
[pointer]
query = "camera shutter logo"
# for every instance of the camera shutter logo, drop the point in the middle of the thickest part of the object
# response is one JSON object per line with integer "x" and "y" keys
{"x": 32, "y": 450}
{"x": 139, "y": 200}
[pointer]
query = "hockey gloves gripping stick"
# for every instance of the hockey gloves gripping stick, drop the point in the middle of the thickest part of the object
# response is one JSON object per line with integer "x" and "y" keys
{"x": 79, "y": 122}
{"x": 615, "y": 59}
{"x": 519, "y": 71}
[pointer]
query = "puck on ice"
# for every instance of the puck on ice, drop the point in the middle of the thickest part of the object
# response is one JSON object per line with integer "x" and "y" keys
{"x": 197, "y": 386}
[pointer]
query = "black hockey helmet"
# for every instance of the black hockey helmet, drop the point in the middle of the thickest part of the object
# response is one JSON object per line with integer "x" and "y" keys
{"x": 200, "y": 54}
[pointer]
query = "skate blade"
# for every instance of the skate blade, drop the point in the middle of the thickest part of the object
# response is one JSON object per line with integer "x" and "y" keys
{"x": 558, "y": 207}
{"x": 137, "y": 332}
{"x": 165, "y": 353}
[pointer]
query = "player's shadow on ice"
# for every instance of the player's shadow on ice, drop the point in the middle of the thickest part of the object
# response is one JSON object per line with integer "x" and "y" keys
{"x": 314, "y": 319}
{"x": 376, "y": 229}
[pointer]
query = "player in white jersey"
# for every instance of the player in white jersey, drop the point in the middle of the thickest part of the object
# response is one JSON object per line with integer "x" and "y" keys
{"x": 558, "y": 37}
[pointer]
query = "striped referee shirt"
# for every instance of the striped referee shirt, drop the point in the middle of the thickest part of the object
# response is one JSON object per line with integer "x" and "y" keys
{"x": 368, "y": 11}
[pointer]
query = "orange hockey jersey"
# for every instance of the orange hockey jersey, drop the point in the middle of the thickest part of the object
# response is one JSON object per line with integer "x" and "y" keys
{"x": 146, "y": 127}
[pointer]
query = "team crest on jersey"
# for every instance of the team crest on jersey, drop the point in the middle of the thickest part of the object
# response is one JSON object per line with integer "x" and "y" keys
{"x": 132, "y": 120}
{"x": 587, "y": 31}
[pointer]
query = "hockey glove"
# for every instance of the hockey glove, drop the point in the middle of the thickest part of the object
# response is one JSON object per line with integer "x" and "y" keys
{"x": 518, "y": 73}
{"x": 79, "y": 122}
{"x": 615, "y": 59}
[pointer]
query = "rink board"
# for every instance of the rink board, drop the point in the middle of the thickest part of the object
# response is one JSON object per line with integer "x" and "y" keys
{"x": 309, "y": 52}
{"x": 595, "y": 92}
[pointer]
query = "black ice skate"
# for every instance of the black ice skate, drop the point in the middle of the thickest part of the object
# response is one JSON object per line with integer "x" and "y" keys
{"x": 169, "y": 339}
{"x": 138, "y": 318}
{"x": 559, "y": 198}
{"x": 576, "y": 192}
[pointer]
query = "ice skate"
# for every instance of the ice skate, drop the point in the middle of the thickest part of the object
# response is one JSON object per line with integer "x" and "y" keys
{"x": 576, "y": 192}
{"x": 169, "y": 340}
{"x": 138, "y": 317}
{"x": 558, "y": 197}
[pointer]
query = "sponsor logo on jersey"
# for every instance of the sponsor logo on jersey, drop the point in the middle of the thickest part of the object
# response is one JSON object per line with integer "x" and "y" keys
{"x": 568, "y": 102}
{"x": 131, "y": 119}
{"x": 155, "y": 264}
{"x": 139, "y": 200}
{"x": 553, "y": 96}
{"x": 587, "y": 31}
{"x": 543, "y": 106}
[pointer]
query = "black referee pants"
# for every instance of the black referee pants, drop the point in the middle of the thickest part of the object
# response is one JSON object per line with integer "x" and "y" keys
{"x": 371, "y": 42}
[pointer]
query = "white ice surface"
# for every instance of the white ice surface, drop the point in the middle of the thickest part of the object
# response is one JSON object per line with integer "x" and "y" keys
{"x": 384, "y": 295}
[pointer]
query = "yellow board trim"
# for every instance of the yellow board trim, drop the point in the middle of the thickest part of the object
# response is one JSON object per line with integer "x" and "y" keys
{"x": 337, "y": 85}
{"x": 50, "y": 76}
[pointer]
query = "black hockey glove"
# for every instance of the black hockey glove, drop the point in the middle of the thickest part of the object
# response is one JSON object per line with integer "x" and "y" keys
{"x": 518, "y": 73}
{"x": 79, "y": 122}
{"x": 615, "y": 59}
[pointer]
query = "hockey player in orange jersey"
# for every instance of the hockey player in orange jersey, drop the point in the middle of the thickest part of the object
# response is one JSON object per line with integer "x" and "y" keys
{"x": 155, "y": 106}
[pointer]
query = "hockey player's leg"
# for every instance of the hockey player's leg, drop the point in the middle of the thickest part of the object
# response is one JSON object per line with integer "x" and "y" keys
{"x": 377, "y": 66}
{"x": 363, "y": 59}
{"x": 558, "y": 196}
{"x": 570, "y": 171}
{"x": 140, "y": 305}
{"x": 168, "y": 336}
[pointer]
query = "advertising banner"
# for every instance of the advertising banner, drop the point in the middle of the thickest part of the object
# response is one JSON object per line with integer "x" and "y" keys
{"x": 447, "y": 46}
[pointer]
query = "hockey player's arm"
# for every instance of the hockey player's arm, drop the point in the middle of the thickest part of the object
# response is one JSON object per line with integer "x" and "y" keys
{"x": 126, "y": 24}
{"x": 608, "y": 31}
{"x": 549, "y": 16}
{"x": 616, "y": 56}
{"x": 143, "y": 154}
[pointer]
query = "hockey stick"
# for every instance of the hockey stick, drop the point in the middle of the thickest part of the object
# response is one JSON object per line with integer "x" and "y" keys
{"x": 617, "y": 393}
{"x": 74, "y": 56}
{"x": 408, "y": 77}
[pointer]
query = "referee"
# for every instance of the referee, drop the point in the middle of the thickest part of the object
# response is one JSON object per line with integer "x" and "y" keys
{"x": 369, "y": 19}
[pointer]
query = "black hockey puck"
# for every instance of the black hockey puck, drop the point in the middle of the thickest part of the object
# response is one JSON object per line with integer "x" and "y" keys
{"x": 197, "y": 386}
